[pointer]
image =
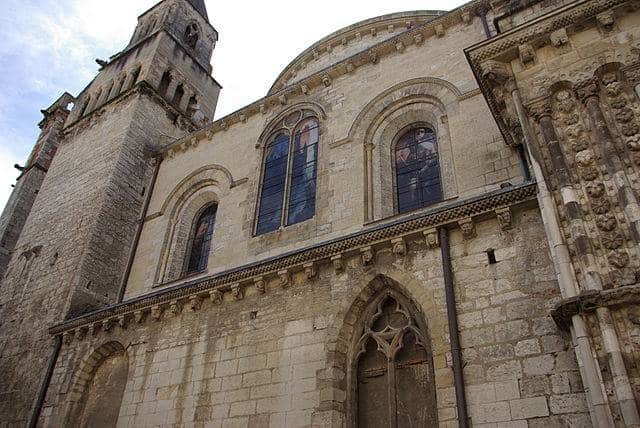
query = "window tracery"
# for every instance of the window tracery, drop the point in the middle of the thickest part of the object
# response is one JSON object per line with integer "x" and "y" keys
{"x": 200, "y": 242}
{"x": 288, "y": 191}
{"x": 394, "y": 374}
{"x": 417, "y": 169}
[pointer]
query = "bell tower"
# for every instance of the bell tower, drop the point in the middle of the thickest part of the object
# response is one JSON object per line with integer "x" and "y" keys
{"x": 72, "y": 243}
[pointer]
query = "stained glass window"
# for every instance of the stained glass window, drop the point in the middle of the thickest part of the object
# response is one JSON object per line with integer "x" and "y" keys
{"x": 417, "y": 170}
{"x": 288, "y": 193}
{"x": 201, "y": 240}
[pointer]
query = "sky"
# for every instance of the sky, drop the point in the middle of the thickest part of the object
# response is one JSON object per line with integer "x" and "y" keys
{"x": 50, "y": 46}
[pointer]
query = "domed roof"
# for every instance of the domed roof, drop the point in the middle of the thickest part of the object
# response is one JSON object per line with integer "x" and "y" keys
{"x": 348, "y": 41}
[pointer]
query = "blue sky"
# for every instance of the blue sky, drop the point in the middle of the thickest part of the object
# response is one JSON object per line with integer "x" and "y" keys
{"x": 49, "y": 46}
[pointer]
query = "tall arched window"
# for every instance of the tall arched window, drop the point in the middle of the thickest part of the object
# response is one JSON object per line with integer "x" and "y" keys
{"x": 394, "y": 381}
{"x": 200, "y": 242}
{"x": 288, "y": 192}
{"x": 417, "y": 169}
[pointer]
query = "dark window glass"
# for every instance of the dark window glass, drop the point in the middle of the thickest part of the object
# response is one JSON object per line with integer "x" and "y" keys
{"x": 417, "y": 170}
{"x": 201, "y": 241}
{"x": 302, "y": 196}
{"x": 273, "y": 183}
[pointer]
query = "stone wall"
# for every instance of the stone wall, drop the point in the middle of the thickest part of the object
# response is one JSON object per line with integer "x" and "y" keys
{"x": 281, "y": 358}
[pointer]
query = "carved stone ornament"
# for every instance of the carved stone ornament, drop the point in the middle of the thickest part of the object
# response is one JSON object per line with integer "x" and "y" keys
{"x": 310, "y": 270}
{"x": 600, "y": 205}
{"x": 237, "y": 291}
{"x": 504, "y": 218}
{"x": 326, "y": 80}
{"x": 595, "y": 189}
{"x": 263, "y": 108}
{"x": 399, "y": 246}
{"x": 304, "y": 89}
{"x": 82, "y": 332}
{"x": 282, "y": 99}
{"x": 613, "y": 240}
{"x": 373, "y": 57}
{"x": 367, "y": 255}
{"x": 284, "y": 278}
{"x": 527, "y": 54}
{"x": 439, "y": 30}
{"x": 216, "y": 297}
{"x": 618, "y": 258}
{"x": 606, "y": 20}
{"x": 195, "y": 302}
{"x": 156, "y": 312}
{"x": 350, "y": 67}
{"x": 585, "y": 158}
{"x": 418, "y": 39}
{"x": 466, "y": 17}
{"x": 138, "y": 316}
{"x": 495, "y": 73}
{"x": 431, "y": 238}
{"x": 338, "y": 262}
{"x": 606, "y": 222}
{"x": 175, "y": 307}
{"x": 559, "y": 38}
{"x": 94, "y": 328}
{"x": 260, "y": 284}
{"x": 122, "y": 321}
{"x": 468, "y": 228}
{"x": 107, "y": 324}
{"x": 67, "y": 337}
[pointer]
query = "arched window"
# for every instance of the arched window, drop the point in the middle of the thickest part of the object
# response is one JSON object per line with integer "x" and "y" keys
{"x": 288, "y": 192}
{"x": 200, "y": 242}
{"x": 394, "y": 381}
{"x": 417, "y": 169}
{"x": 177, "y": 97}
{"x": 191, "y": 35}
{"x": 165, "y": 82}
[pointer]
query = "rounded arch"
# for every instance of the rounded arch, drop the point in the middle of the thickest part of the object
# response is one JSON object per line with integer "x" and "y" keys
{"x": 104, "y": 368}
{"x": 273, "y": 123}
{"x": 373, "y": 288}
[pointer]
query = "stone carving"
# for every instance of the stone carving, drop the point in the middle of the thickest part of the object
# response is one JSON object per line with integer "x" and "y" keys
{"x": 439, "y": 29}
{"x": 260, "y": 284}
{"x": 618, "y": 258}
{"x": 399, "y": 246}
{"x": 138, "y": 316}
{"x": 122, "y": 321}
{"x": 94, "y": 328}
{"x": 215, "y": 296}
{"x": 468, "y": 228}
{"x": 400, "y": 46}
{"x": 559, "y": 38}
{"x": 107, "y": 325}
{"x": 338, "y": 262}
{"x": 237, "y": 291}
{"x": 285, "y": 278}
{"x": 68, "y": 336}
{"x": 156, "y": 312}
{"x": 373, "y": 57}
{"x": 612, "y": 241}
{"x": 326, "y": 80}
{"x": 606, "y": 20}
{"x": 195, "y": 302}
{"x": 431, "y": 238}
{"x": 418, "y": 39}
{"x": 175, "y": 307}
{"x": 504, "y": 218}
{"x": 310, "y": 270}
{"x": 527, "y": 54}
{"x": 606, "y": 222}
{"x": 367, "y": 255}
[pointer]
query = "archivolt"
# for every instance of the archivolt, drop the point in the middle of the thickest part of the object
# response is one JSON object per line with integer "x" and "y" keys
{"x": 307, "y": 105}
{"x": 441, "y": 92}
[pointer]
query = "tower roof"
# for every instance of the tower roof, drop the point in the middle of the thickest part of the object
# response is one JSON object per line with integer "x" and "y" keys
{"x": 200, "y": 7}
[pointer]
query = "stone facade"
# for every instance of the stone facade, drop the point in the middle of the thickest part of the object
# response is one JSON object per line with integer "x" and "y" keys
{"x": 520, "y": 293}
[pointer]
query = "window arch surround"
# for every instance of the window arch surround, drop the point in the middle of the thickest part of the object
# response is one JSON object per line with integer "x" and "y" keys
{"x": 199, "y": 244}
{"x": 417, "y": 180}
{"x": 287, "y": 188}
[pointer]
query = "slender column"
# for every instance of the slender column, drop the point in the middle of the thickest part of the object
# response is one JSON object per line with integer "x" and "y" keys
{"x": 589, "y": 370}
{"x": 587, "y": 91}
{"x": 542, "y": 114}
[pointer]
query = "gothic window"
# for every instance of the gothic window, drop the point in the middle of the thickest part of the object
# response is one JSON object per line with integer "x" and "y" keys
{"x": 394, "y": 381}
{"x": 417, "y": 169}
{"x": 200, "y": 242}
{"x": 288, "y": 193}
{"x": 191, "y": 35}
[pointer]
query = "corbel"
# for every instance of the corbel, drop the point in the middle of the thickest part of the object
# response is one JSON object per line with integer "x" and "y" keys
{"x": 367, "y": 255}
{"x": 373, "y": 32}
{"x": 237, "y": 291}
{"x": 305, "y": 89}
{"x": 260, "y": 284}
{"x": 466, "y": 17}
{"x": 215, "y": 296}
{"x": 431, "y": 237}
{"x": 399, "y": 246}
{"x": 408, "y": 24}
{"x": 82, "y": 332}
{"x": 138, "y": 316}
{"x": 316, "y": 55}
{"x": 224, "y": 125}
{"x": 122, "y": 321}
{"x": 559, "y": 37}
{"x": 310, "y": 270}
{"x": 391, "y": 28}
{"x": 338, "y": 262}
{"x": 606, "y": 20}
{"x": 282, "y": 99}
{"x": 326, "y": 80}
{"x": 527, "y": 54}
{"x": 195, "y": 302}
{"x": 284, "y": 278}
{"x": 418, "y": 38}
{"x": 439, "y": 29}
{"x": 67, "y": 336}
{"x": 156, "y": 312}
{"x": 350, "y": 67}
{"x": 175, "y": 307}
{"x": 504, "y": 218}
{"x": 243, "y": 118}
{"x": 468, "y": 227}
{"x": 373, "y": 56}
{"x": 94, "y": 327}
{"x": 263, "y": 108}
{"x": 400, "y": 46}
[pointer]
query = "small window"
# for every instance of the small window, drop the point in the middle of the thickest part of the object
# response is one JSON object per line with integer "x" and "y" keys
{"x": 177, "y": 96}
{"x": 191, "y": 35}
{"x": 165, "y": 82}
{"x": 200, "y": 242}
{"x": 417, "y": 170}
{"x": 288, "y": 192}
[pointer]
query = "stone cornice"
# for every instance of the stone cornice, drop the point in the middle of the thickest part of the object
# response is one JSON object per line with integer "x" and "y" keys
{"x": 588, "y": 301}
{"x": 325, "y": 77}
{"x": 504, "y": 48}
{"x": 362, "y": 243}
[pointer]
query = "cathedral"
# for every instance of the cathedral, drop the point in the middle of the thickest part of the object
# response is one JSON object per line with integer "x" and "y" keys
{"x": 431, "y": 219}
